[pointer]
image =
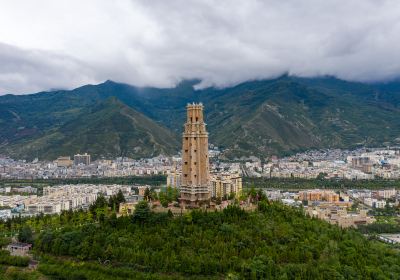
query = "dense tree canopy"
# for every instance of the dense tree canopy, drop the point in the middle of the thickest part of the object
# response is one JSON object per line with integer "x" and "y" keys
{"x": 273, "y": 242}
{"x": 319, "y": 183}
{"x": 25, "y": 235}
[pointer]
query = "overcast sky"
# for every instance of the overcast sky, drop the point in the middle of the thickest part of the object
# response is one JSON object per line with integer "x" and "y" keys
{"x": 47, "y": 44}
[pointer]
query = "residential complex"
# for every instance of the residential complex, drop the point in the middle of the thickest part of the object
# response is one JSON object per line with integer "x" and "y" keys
{"x": 63, "y": 168}
{"x": 60, "y": 198}
{"x": 336, "y": 207}
{"x": 333, "y": 163}
{"x": 223, "y": 185}
{"x": 338, "y": 164}
{"x": 340, "y": 216}
{"x": 318, "y": 195}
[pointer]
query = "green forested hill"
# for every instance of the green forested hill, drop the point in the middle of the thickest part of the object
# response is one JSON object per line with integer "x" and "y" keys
{"x": 259, "y": 118}
{"x": 274, "y": 242}
{"x": 109, "y": 128}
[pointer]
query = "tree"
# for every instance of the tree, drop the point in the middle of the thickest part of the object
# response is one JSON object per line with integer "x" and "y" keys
{"x": 4, "y": 241}
{"x": 252, "y": 193}
{"x": 120, "y": 197}
{"x": 322, "y": 176}
{"x": 261, "y": 195}
{"x": 147, "y": 194}
{"x": 163, "y": 199}
{"x": 142, "y": 212}
{"x": 100, "y": 202}
{"x": 354, "y": 206}
{"x": 115, "y": 200}
{"x": 25, "y": 235}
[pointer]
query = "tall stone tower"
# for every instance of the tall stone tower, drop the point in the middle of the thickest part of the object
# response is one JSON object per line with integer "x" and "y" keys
{"x": 195, "y": 182}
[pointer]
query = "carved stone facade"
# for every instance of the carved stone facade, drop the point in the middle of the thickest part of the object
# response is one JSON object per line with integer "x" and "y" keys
{"x": 195, "y": 182}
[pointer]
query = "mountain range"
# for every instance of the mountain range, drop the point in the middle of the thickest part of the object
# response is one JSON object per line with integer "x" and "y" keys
{"x": 261, "y": 118}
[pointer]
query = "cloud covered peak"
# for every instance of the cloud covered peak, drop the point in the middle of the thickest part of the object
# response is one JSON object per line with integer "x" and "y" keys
{"x": 66, "y": 43}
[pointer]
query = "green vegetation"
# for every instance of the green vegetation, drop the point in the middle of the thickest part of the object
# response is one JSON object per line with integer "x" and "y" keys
{"x": 278, "y": 116}
{"x": 379, "y": 228}
{"x": 109, "y": 129}
{"x": 298, "y": 183}
{"x": 154, "y": 180}
{"x": 25, "y": 235}
{"x": 6, "y": 259}
{"x": 170, "y": 195}
{"x": 273, "y": 242}
{"x": 387, "y": 221}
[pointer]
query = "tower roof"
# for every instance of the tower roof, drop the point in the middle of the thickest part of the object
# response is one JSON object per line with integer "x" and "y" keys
{"x": 194, "y": 105}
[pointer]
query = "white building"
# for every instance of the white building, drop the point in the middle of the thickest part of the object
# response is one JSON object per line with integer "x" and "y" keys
{"x": 387, "y": 193}
{"x": 5, "y": 214}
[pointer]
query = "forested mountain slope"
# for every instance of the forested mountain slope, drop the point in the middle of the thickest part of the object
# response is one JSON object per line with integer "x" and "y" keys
{"x": 259, "y": 118}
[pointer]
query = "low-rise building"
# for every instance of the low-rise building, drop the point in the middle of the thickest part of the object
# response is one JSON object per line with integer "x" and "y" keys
{"x": 375, "y": 203}
{"x": 5, "y": 214}
{"x": 19, "y": 249}
{"x": 388, "y": 193}
{"x": 127, "y": 208}
{"x": 339, "y": 216}
{"x": 24, "y": 189}
{"x": 64, "y": 161}
{"x": 142, "y": 190}
{"x": 318, "y": 195}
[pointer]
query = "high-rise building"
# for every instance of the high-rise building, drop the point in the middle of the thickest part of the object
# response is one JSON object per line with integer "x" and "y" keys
{"x": 82, "y": 159}
{"x": 224, "y": 185}
{"x": 195, "y": 182}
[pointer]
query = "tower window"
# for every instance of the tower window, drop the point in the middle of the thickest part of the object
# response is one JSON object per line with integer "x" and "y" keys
{"x": 195, "y": 163}
{"x": 185, "y": 162}
{"x": 195, "y": 150}
{"x": 186, "y": 138}
{"x": 191, "y": 119}
{"x": 197, "y": 119}
{"x": 185, "y": 175}
{"x": 194, "y": 138}
{"x": 186, "y": 151}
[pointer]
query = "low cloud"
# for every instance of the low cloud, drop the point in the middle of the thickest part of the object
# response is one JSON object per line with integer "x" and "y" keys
{"x": 26, "y": 71}
{"x": 63, "y": 44}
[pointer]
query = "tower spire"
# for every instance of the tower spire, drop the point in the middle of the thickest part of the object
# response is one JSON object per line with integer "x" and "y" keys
{"x": 195, "y": 187}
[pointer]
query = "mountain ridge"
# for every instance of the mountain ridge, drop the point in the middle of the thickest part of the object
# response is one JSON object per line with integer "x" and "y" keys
{"x": 278, "y": 116}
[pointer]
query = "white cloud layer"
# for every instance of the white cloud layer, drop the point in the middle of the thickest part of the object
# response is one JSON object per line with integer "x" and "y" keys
{"x": 48, "y": 44}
